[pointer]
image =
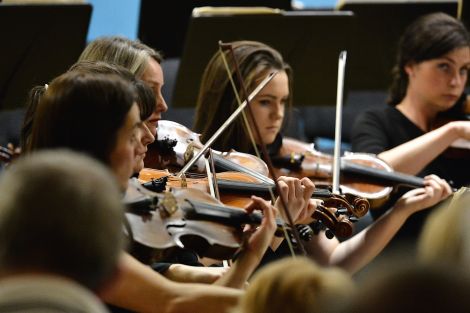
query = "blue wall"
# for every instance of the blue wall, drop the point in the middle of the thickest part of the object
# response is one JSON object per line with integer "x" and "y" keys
{"x": 114, "y": 17}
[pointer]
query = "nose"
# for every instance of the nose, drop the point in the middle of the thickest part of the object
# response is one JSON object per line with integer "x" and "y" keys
{"x": 161, "y": 104}
{"x": 277, "y": 112}
{"x": 457, "y": 79}
{"x": 147, "y": 137}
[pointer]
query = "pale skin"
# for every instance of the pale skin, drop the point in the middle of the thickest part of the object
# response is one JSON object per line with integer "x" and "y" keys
{"x": 153, "y": 76}
{"x": 434, "y": 86}
{"x": 139, "y": 288}
{"x": 240, "y": 271}
{"x": 358, "y": 251}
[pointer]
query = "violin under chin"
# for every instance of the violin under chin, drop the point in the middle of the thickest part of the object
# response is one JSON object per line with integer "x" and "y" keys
{"x": 207, "y": 239}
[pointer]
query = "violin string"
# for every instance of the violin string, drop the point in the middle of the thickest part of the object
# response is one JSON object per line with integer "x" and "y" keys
{"x": 267, "y": 158}
{"x": 239, "y": 102}
{"x": 237, "y": 96}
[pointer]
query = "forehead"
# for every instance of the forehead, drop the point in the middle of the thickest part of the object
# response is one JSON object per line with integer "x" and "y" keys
{"x": 458, "y": 55}
{"x": 279, "y": 85}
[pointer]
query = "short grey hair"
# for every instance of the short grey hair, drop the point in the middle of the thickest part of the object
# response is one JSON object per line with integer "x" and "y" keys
{"x": 60, "y": 213}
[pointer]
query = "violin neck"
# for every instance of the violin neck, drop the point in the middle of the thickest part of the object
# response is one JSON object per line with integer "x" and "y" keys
{"x": 381, "y": 177}
{"x": 260, "y": 189}
{"x": 225, "y": 215}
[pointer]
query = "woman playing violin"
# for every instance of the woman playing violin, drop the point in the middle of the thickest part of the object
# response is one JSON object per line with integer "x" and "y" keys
{"x": 144, "y": 62}
{"x": 112, "y": 135}
{"x": 217, "y": 100}
{"x": 429, "y": 78}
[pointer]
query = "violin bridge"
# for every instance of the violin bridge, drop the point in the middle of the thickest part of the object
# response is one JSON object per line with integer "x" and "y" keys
{"x": 169, "y": 204}
{"x": 184, "y": 182}
{"x": 189, "y": 153}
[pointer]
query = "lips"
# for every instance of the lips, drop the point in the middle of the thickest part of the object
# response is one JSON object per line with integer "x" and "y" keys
{"x": 451, "y": 97}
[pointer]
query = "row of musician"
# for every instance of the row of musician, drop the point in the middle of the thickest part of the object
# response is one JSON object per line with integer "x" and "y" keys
{"x": 109, "y": 105}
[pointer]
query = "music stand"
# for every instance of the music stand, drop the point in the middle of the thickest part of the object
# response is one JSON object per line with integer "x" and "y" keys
{"x": 310, "y": 42}
{"x": 39, "y": 42}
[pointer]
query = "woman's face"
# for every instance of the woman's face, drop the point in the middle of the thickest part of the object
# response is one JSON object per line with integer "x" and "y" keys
{"x": 153, "y": 76}
{"x": 269, "y": 106}
{"x": 122, "y": 158}
{"x": 439, "y": 82}
{"x": 145, "y": 138}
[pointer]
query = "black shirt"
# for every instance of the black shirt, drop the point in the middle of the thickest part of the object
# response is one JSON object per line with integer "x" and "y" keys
{"x": 379, "y": 130}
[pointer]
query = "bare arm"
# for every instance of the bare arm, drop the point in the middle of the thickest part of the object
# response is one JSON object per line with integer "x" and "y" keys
{"x": 141, "y": 289}
{"x": 414, "y": 155}
{"x": 358, "y": 251}
{"x": 255, "y": 247}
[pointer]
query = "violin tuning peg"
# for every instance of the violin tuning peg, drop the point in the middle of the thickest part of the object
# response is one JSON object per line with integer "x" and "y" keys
{"x": 305, "y": 232}
{"x": 353, "y": 219}
{"x": 329, "y": 234}
{"x": 341, "y": 211}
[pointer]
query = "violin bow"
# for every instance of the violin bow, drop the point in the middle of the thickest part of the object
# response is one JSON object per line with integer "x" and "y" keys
{"x": 227, "y": 123}
{"x": 338, "y": 121}
{"x": 229, "y": 47}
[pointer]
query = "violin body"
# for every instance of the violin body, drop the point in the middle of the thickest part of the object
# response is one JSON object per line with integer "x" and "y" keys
{"x": 362, "y": 174}
{"x": 186, "y": 218}
{"x": 177, "y": 144}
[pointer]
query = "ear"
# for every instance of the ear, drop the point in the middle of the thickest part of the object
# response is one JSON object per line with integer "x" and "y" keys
{"x": 409, "y": 69}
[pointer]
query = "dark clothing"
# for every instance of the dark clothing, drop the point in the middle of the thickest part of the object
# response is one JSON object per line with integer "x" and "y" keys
{"x": 379, "y": 130}
{"x": 376, "y": 131}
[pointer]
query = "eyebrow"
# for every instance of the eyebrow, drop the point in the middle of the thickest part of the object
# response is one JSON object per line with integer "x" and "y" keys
{"x": 270, "y": 96}
{"x": 453, "y": 62}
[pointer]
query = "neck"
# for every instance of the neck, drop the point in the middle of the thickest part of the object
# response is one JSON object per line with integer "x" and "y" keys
{"x": 417, "y": 111}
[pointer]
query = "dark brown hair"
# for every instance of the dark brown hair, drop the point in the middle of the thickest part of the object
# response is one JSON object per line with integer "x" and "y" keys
{"x": 429, "y": 37}
{"x": 217, "y": 101}
{"x": 82, "y": 112}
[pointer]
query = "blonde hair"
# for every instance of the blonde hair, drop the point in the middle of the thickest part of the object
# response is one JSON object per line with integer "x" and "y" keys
{"x": 131, "y": 54}
{"x": 445, "y": 237}
{"x": 295, "y": 285}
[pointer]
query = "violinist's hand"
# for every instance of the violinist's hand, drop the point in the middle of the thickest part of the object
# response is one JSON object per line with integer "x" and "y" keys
{"x": 434, "y": 191}
{"x": 462, "y": 128}
{"x": 297, "y": 193}
{"x": 305, "y": 216}
{"x": 261, "y": 236}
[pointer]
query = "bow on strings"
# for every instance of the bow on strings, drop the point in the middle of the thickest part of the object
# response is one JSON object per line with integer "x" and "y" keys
{"x": 242, "y": 105}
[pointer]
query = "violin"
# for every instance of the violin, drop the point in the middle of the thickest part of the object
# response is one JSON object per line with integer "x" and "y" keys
{"x": 363, "y": 174}
{"x": 194, "y": 220}
{"x": 460, "y": 149}
{"x": 187, "y": 218}
{"x": 176, "y": 145}
{"x": 335, "y": 215}
{"x": 8, "y": 154}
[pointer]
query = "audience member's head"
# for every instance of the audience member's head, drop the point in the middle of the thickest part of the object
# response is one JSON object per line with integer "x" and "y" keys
{"x": 297, "y": 286}
{"x": 60, "y": 215}
{"x": 414, "y": 288}
{"x": 446, "y": 237}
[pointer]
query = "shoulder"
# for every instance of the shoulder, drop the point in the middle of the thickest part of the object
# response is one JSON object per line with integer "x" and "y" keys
{"x": 46, "y": 294}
